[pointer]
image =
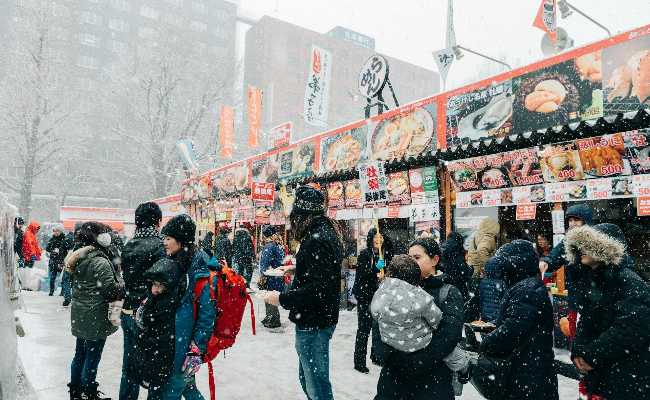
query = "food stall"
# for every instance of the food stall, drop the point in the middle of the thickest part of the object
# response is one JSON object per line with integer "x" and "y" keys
{"x": 517, "y": 147}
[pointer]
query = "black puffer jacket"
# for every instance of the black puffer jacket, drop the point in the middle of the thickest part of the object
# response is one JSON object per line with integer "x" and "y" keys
{"x": 152, "y": 359}
{"x": 613, "y": 334}
{"x": 524, "y": 327}
{"x": 313, "y": 297}
{"x": 423, "y": 375}
{"x": 242, "y": 248}
{"x": 223, "y": 248}
{"x": 365, "y": 280}
{"x": 18, "y": 241}
{"x": 140, "y": 254}
{"x": 453, "y": 265}
{"x": 57, "y": 248}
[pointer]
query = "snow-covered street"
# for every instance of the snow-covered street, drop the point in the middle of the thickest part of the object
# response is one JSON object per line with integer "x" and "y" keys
{"x": 258, "y": 367}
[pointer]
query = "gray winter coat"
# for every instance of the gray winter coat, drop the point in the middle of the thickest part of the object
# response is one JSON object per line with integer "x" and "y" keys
{"x": 407, "y": 315}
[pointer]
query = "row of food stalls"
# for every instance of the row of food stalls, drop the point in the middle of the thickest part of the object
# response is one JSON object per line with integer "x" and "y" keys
{"x": 519, "y": 147}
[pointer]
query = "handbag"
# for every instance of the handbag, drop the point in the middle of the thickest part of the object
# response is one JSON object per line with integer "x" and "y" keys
{"x": 490, "y": 376}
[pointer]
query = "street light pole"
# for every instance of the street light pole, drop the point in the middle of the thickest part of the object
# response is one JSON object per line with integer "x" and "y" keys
{"x": 484, "y": 56}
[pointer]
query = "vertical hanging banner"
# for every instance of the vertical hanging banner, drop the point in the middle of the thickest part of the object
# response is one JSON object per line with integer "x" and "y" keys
{"x": 318, "y": 87}
{"x": 546, "y": 18}
{"x": 254, "y": 116}
{"x": 185, "y": 149}
{"x": 226, "y": 131}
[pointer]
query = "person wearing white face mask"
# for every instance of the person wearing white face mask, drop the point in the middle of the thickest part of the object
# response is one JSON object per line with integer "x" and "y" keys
{"x": 95, "y": 284}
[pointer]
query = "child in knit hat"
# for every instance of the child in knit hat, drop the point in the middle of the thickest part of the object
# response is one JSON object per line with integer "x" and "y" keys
{"x": 407, "y": 314}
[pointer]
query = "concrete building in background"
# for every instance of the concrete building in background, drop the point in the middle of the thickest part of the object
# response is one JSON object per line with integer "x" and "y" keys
{"x": 277, "y": 60}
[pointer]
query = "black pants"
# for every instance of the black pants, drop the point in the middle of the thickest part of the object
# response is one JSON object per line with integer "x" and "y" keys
{"x": 366, "y": 324}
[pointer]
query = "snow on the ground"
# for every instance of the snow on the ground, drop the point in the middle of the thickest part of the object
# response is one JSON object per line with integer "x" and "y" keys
{"x": 257, "y": 367}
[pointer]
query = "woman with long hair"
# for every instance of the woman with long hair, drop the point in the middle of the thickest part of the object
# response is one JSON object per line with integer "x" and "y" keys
{"x": 95, "y": 284}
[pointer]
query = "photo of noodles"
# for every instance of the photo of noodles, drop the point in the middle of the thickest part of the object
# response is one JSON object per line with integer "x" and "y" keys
{"x": 403, "y": 135}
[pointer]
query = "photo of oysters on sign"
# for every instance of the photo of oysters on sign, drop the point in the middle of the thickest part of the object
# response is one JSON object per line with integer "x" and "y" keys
{"x": 407, "y": 134}
{"x": 626, "y": 76}
{"x": 546, "y": 100}
{"x": 486, "y": 120}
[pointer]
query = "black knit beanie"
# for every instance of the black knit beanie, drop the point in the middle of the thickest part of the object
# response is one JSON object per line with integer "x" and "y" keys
{"x": 181, "y": 228}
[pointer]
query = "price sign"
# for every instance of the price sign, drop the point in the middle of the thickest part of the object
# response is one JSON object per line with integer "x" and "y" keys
{"x": 526, "y": 212}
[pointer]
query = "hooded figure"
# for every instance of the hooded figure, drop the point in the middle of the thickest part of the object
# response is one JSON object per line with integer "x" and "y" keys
{"x": 152, "y": 359}
{"x": 493, "y": 288}
{"x": 243, "y": 254}
{"x": 524, "y": 331}
{"x": 613, "y": 334}
{"x": 19, "y": 222}
{"x": 31, "y": 249}
{"x": 452, "y": 263}
{"x": 483, "y": 245}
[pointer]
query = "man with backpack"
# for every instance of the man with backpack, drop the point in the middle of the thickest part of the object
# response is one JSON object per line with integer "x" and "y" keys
{"x": 313, "y": 298}
{"x": 138, "y": 255}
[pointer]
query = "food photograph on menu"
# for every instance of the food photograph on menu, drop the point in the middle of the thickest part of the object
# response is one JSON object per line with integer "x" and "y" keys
{"x": 406, "y": 134}
{"x": 352, "y": 193}
{"x": 344, "y": 150}
{"x": 547, "y": 97}
{"x": 483, "y": 113}
{"x": 637, "y": 144}
{"x": 626, "y": 76}
{"x": 335, "y": 197}
{"x": 603, "y": 156}
{"x": 266, "y": 169}
{"x": 399, "y": 188}
{"x": 561, "y": 162}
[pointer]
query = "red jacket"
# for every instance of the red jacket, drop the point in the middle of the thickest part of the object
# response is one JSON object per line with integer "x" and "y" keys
{"x": 30, "y": 243}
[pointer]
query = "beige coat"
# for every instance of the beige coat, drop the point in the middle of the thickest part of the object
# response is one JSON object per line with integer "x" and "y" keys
{"x": 483, "y": 245}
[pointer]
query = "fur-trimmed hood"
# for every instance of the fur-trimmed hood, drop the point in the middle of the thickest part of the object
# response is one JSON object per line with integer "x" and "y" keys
{"x": 593, "y": 243}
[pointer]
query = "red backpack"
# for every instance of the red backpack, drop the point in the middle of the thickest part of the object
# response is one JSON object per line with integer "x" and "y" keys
{"x": 228, "y": 291}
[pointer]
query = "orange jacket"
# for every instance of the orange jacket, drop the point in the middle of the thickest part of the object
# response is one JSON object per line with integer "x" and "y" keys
{"x": 30, "y": 243}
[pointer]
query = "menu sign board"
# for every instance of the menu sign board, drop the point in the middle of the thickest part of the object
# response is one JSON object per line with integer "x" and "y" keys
{"x": 561, "y": 162}
{"x": 263, "y": 212}
{"x": 335, "y": 197}
{"x": 637, "y": 145}
{"x": 374, "y": 182}
{"x": 344, "y": 150}
{"x": 398, "y": 188}
{"x": 526, "y": 212}
{"x": 263, "y": 191}
{"x": 352, "y": 193}
{"x": 482, "y": 113}
{"x": 602, "y": 155}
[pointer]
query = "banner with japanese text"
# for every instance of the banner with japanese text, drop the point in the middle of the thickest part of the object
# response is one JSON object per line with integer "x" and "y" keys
{"x": 254, "y": 116}
{"x": 316, "y": 104}
{"x": 226, "y": 131}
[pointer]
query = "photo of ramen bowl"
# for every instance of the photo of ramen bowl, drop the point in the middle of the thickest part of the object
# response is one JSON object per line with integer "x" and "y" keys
{"x": 407, "y": 134}
{"x": 344, "y": 153}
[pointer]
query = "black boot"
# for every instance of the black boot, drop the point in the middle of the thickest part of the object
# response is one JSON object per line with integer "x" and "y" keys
{"x": 66, "y": 302}
{"x": 90, "y": 392}
{"x": 75, "y": 392}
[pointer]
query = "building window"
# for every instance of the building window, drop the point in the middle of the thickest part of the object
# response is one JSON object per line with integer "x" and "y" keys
{"x": 122, "y": 5}
{"x": 199, "y": 7}
{"x": 146, "y": 33}
{"x": 88, "y": 62}
{"x": 173, "y": 19}
{"x": 89, "y": 40}
{"x": 90, "y": 18}
{"x": 198, "y": 26}
{"x": 118, "y": 25}
{"x": 176, "y": 3}
{"x": 149, "y": 12}
{"x": 86, "y": 84}
{"x": 118, "y": 47}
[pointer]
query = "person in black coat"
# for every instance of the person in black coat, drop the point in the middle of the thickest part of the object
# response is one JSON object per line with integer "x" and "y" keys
{"x": 612, "y": 344}
{"x": 140, "y": 253}
{"x": 524, "y": 327}
{"x": 313, "y": 297}
{"x": 243, "y": 254}
{"x": 423, "y": 375}
{"x": 19, "y": 223}
{"x": 366, "y": 282}
{"x": 452, "y": 263}
{"x": 57, "y": 249}
{"x": 223, "y": 247}
{"x": 152, "y": 359}
{"x": 207, "y": 244}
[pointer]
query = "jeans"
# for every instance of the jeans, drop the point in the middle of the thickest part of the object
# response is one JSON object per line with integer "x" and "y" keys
{"x": 129, "y": 388}
{"x": 178, "y": 386}
{"x": 86, "y": 359}
{"x": 54, "y": 272}
{"x": 313, "y": 348}
{"x": 65, "y": 286}
{"x": 366, "y": 324}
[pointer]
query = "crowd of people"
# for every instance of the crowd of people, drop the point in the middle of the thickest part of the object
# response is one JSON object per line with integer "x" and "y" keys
{"x": 413, "y": 306}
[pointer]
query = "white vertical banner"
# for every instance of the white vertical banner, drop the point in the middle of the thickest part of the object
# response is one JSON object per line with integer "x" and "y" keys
{"x": 318, "y": 86}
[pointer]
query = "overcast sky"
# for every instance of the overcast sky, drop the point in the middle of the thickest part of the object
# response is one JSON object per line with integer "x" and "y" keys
{"x": 412, "y": 29}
